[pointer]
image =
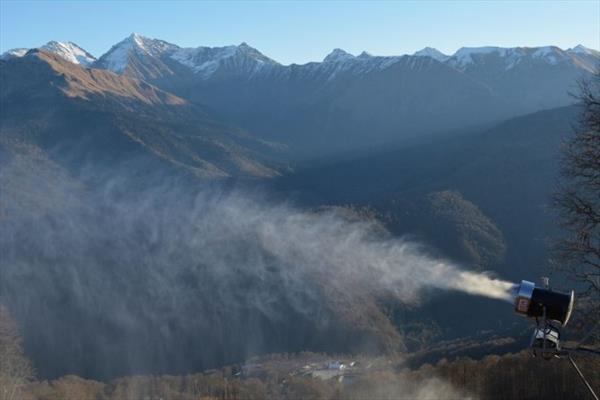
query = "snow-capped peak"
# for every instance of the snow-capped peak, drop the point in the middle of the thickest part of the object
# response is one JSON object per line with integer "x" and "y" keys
{"x": 582, "y": 50}
{"x": 117, "y": 57}
{"x": 432, "y": 53}
{"x": 467, "y": 55}
{"x": 70, "y": 52}
{"x": 155, "y": 47}
{"x": 550, "y": 54}
{"x": 137, "y": 38}
{"x": 254, "y": 54}
{"x": 206, "y": 60}
{"x": 19, "y": 52}
{"x": 338, "y": 55}
{"x": 67, "y": 50}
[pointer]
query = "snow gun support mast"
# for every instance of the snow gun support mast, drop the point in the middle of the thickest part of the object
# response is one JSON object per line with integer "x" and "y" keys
{"x": 551, "y": 311}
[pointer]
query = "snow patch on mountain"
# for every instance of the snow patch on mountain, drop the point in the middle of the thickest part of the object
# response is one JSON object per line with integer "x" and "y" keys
{"x": 70, "y": 52}
{"x": 117, "y": 58}
{"x": 205, "y": 61}
{"x": 338, "y": 55}
{"x": 552, "y": 55}
{"x": 582, "y": 50}
{"x": 154, "y": 47}
{"x": 466, "y": 57}
{"x": 433, "y": 53}
{"x": 20, "y": 52}
{"x": 67, "y": 50}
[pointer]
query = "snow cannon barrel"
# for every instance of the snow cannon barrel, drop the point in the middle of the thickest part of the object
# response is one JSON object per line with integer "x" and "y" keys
{"x": 536, "y": 302}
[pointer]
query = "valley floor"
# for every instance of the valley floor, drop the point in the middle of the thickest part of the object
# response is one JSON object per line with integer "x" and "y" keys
{"x": 318, "y": 376}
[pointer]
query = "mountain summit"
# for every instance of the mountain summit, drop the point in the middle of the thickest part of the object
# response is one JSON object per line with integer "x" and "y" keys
{"x": 67, "y": 50}
{"x": 433, "y": 53}
{"x": 70, "y": 52}
{"x": 338, "y": 55}
{"x": 131, "y": 51}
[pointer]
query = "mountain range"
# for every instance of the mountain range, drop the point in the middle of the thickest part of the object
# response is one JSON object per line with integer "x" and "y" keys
{"x": 348, "y": 102}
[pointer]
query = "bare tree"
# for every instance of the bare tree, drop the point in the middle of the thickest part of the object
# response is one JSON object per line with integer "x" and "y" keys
{"x": 578, "y": 196}
{"x": 15, "y": 369}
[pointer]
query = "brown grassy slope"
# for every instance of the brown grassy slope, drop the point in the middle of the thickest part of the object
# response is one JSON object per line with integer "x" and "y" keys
{"x": 95, "y": 114}
{"x": 77, "y": 81}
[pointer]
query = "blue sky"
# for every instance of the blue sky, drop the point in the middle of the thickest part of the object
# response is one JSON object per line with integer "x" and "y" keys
{"x": 305, "y": 30}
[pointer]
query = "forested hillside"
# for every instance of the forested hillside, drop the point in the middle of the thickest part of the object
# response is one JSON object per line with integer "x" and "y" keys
{"x": 282, "y": 377}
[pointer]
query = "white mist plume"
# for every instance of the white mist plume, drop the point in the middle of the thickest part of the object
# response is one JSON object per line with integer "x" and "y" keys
{"x": 353, "y": 251}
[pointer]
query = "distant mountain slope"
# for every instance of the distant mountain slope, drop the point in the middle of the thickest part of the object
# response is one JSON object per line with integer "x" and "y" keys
{"x": 531, "y": 79}
{"x": 507, "y": 171}
{"x": 324, "y": 108}
{"x": 89, "y": 116}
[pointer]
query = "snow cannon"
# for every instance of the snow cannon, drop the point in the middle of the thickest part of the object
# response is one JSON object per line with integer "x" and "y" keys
{"x": 543, "y": 302}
